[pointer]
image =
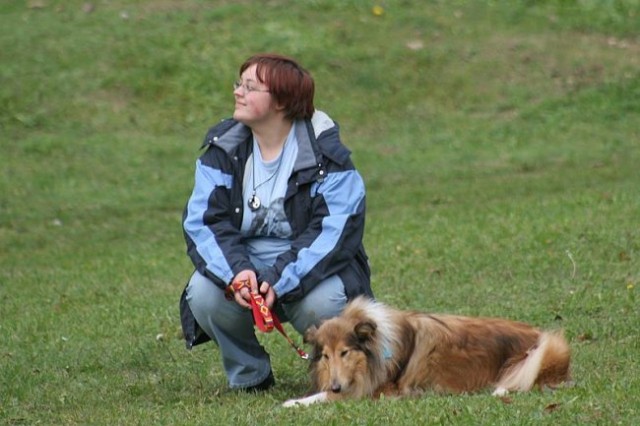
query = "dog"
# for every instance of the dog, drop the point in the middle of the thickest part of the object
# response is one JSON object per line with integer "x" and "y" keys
{"x": 372, "y": 349}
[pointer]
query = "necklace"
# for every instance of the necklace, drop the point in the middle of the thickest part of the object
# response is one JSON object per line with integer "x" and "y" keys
{"x": 254, "y": 202}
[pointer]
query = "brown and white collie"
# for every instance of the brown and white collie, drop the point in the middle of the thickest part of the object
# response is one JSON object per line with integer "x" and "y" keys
{"x": 372, "y": 349}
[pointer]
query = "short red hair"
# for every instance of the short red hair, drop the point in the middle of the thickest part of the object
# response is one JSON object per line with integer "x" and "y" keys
{"x": 290, "y": 85}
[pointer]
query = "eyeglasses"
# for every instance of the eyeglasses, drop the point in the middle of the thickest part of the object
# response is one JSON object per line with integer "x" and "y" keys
{"x": 246, "y": 88}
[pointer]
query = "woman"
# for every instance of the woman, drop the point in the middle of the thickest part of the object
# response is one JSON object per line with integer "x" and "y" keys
{"x": 278, "y": 204}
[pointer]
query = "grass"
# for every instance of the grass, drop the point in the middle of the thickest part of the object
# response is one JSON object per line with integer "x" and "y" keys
{"x": 500, "y": 146}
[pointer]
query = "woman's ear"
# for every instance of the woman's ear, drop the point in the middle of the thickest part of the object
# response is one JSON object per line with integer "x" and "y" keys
{"x": 279, "y": 108}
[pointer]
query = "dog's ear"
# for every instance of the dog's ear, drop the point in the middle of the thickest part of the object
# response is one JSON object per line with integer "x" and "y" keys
{"x": 310, "y": 334}
{"x": 364, "y": 330}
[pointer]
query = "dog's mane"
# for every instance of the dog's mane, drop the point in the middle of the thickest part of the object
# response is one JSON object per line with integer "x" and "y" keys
{"x": 388, "y": 334}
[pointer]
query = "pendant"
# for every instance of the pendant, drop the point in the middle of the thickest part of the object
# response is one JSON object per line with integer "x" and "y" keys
{"x": 254, "y": 203}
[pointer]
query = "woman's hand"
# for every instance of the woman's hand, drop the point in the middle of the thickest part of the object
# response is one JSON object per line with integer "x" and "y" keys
{"x": 269, "y": 295}
{"x": 243, "y": 296}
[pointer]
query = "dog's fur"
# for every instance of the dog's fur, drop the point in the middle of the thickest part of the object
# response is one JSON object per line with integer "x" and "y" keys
{"x": 372, "y": 349}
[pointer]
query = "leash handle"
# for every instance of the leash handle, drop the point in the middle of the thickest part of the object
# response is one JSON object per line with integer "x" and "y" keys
{"x": 263, "y": 318}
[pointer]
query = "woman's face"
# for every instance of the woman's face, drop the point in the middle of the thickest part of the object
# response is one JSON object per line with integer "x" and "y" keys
{"x": 254, "y": 104}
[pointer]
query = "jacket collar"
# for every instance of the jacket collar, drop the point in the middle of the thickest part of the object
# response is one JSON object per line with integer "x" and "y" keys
{"x": 230, "y": 134}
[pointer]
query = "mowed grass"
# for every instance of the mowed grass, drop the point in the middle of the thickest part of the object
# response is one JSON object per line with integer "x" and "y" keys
{"x": 499, "y": 140}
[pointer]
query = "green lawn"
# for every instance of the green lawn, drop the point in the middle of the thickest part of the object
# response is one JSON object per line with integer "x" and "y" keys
{"x": 499, "y": 141}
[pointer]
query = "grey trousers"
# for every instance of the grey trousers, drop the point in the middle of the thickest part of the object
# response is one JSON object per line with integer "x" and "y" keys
{"x": 245, "y": 361}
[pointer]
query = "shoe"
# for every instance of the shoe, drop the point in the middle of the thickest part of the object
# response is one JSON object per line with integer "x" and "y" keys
{"x": 266, "y": 384}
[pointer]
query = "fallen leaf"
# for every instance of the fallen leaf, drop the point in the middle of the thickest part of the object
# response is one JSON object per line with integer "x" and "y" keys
{"x": 415, "y": 44}
{"x": 552, "y": 407}
{"x": 377, "y": 10}
{"x": 585, "y": 336}
{"x": 36, "y": 4}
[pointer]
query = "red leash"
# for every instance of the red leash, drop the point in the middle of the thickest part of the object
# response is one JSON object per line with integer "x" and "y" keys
{"x": 264, "y": 319}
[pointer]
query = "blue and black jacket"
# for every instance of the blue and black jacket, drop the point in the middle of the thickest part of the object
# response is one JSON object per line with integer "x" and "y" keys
{"x": 324, "y": 204}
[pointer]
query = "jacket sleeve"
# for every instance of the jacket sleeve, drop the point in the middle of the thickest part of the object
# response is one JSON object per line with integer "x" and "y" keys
{"x": 213, "y": 242}
{"x": 332, "y": 238}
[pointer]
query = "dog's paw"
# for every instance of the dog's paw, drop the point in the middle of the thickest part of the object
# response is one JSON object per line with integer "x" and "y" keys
{"x": 291, "y": 403}
{"x": 500, "y": 392}
{"x": 312, "y": 399}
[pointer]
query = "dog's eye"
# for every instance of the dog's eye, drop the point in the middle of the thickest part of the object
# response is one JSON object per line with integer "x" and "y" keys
{"x": 344, "y": 353}
{"x": 325, "y": 356}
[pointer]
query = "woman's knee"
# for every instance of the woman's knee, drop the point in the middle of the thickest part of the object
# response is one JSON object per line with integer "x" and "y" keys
{"x": 209, "y": 305}
{"x": 327, "y": 300}
{"x": 202, "y": 294}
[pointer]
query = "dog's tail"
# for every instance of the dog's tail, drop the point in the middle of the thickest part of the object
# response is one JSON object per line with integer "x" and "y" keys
{"x": 546, "y": 364}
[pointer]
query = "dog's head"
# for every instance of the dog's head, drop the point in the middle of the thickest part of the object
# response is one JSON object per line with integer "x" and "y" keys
{"x": 343, "y": 355}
